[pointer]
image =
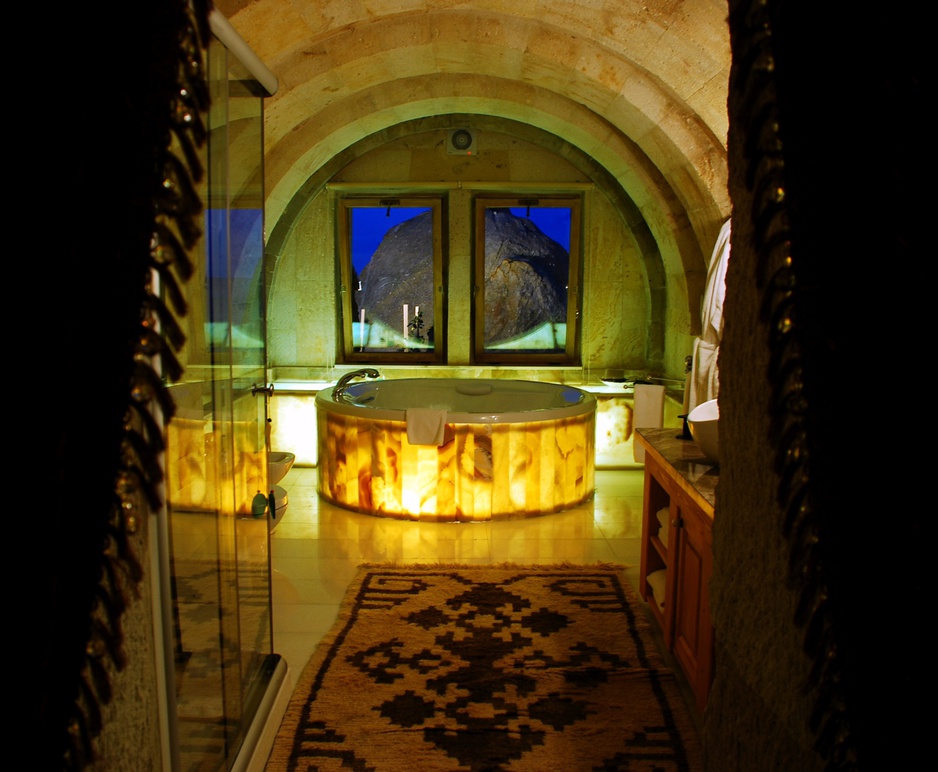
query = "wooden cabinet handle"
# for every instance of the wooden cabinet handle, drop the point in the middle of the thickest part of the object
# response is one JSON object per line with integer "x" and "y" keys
{"x": 677, "y": 522}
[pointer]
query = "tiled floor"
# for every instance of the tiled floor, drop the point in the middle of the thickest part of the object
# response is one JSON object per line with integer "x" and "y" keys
{"x": 316, "y": 548}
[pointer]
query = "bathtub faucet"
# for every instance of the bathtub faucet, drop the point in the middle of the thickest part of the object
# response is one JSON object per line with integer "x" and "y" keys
{"x": 345, "y": 380}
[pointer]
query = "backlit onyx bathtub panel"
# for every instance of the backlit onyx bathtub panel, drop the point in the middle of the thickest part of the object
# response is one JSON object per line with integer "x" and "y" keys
{"x": 481, "y": 472}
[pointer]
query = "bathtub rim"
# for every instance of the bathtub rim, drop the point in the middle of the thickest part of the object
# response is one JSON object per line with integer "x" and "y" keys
{"x": 586, "y": 403}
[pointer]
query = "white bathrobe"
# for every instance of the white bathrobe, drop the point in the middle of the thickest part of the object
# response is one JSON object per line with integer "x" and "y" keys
{"x": 705, "y": 383}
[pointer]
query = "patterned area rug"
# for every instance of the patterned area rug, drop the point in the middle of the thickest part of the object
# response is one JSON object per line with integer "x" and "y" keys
{"x": 488, "y": 668}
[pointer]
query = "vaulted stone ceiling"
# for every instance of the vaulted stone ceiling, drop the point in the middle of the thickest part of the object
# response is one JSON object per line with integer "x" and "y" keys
{"x": 639, "y": 87}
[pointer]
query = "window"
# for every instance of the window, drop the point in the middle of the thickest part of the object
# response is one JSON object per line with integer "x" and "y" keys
{"x": 526, "y": 279}
{"x": 392, "y": 279}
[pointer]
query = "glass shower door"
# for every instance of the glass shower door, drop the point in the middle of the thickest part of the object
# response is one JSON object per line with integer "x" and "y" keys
{"x": 216, "y": 446}
{"x": 236, "y": 248}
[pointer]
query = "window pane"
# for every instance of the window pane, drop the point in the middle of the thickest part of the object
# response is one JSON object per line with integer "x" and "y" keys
{"x": 392, "y": 269}
{"x": 524, "y": 272}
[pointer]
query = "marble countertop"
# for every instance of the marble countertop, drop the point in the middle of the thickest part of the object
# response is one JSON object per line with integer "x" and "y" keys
{"x": 687, "y": 461}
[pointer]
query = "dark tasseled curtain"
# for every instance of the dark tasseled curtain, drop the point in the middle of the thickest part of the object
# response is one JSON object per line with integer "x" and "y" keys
{"x": 828, "y": 126}
{"x": 104, "y": 89}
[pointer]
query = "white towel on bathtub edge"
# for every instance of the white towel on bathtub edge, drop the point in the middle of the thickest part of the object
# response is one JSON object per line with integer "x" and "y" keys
{"x": 425, "y": 426}
{"x": 648, "y": 414}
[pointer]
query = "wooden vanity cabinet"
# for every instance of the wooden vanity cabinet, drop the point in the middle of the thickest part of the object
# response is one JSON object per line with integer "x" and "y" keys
{"x": 677, "y": 546}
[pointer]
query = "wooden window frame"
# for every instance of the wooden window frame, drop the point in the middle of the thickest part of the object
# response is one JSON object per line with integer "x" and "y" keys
{"x": 349, "y": 351}
{"x": 571, "y": 352}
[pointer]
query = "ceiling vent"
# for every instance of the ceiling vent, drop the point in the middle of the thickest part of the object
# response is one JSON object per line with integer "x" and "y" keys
{"x": 461, "y": 142}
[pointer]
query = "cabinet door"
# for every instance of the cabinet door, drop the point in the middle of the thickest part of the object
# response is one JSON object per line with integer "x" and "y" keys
{"x": 692, "y": 629}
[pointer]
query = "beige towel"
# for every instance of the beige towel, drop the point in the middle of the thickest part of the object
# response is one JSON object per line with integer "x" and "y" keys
{"x": 657, "y": 580}
{"x": 425, "y": 426}
{"x": 648, "y": 413}
{"x": 664, "y": 519}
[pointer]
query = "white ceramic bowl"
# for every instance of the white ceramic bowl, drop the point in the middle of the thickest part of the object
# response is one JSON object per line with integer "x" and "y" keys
{"x": 703, "y": 422}
{"x": 279, "y": 462}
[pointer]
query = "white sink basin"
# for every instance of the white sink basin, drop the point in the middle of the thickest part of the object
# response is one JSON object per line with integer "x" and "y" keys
{"x": 279, "y": 463}
{"x": 704, "y": 423}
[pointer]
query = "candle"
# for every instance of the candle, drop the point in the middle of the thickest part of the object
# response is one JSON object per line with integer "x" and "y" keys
{"x": 405, "y": 321}
{"x": 361, "y": 329}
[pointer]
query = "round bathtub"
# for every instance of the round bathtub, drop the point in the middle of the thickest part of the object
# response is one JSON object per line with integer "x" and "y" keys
{"x": 456, "y": 449}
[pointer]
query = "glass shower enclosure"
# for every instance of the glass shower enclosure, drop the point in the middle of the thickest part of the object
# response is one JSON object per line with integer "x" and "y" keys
{"x": 222, "y": 665}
